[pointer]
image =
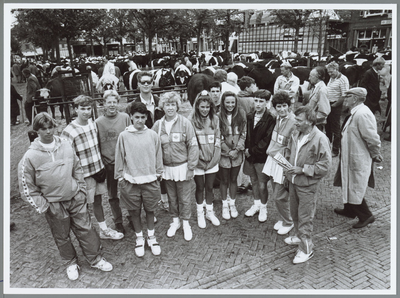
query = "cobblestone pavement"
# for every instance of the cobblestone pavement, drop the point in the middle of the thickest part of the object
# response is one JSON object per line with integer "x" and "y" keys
{"x": 239, "y": 254}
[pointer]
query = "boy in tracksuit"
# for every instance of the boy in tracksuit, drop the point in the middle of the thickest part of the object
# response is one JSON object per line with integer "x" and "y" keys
{"x": 51, "y": 180}
{"x": 138, "y": 167}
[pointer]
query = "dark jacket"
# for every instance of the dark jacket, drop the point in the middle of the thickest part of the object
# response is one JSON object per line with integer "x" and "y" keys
{"x": 370, "y": 81}
{"x": 259, "y": 137}
{"x": 158, "y": 113}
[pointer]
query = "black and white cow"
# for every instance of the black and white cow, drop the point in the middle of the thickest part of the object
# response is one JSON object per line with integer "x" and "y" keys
{"x": 130, "y": 79}
{"x": 164, "y": 77}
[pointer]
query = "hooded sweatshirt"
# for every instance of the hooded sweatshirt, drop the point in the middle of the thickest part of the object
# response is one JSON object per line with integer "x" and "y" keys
{"x": 50, "y": 176}
{"x": 138, "y": 156}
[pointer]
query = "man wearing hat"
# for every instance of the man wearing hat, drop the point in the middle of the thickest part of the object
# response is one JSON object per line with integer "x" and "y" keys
{"x": 287, "y": 82}
{"x": 360, "y": 147}
{"x": 370, "y": 82}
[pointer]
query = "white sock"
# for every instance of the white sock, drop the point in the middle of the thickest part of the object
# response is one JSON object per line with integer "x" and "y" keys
{"x": 200, "y": 207}
{"x": 257, "y": 202}
{"x": 175, "y": 219}
{"x": 185, "y": 222}
{"x": 225, "y": 203}
{"x": 209, "y": 207}
{"x": 263, "y": 205}
{"x": 103, "y": 225}
{"x": 150, "y": 232}
{"x": 232, "y": 202}
{"x": 139, "y": 234}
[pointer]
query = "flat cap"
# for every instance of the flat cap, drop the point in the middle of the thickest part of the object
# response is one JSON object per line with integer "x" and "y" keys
{"x": 358, "y": 91}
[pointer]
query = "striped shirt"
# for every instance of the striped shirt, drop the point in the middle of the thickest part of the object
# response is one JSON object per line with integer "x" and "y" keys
{"x": 337, "y": 88}
{"x": 86, "y": 145}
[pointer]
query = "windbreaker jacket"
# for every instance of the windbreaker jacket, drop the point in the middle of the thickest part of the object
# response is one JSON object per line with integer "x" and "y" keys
{"x": 180, "y": 145}
{"x": 45, "y": 177}
{"x": 138, "y": 156}
{"x": 314, "y": 157}
{"x": 281, "y": 135}
{"x": 319, "y": 102}
{"x": 209, "y": 141}
{"x": 258, "y": 138}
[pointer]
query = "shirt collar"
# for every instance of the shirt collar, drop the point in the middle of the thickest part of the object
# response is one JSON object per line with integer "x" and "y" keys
{"x": 152, "y": 102}
{"x": 355, "y": 109}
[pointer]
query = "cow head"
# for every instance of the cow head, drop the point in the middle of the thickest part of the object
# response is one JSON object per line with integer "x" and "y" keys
{"x": 182, "y": 77}
{"x": 44, "y": 92}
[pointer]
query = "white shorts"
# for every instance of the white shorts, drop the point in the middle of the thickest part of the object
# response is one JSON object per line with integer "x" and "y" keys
{"x": 94, "y": 188}
{"x": 201, "y": 172}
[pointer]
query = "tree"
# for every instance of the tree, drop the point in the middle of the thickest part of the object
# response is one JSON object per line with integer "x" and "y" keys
{"x": 318, "y": 22}
{"x": 293, "y": 19}
{"x": 121, "y": 24}
{"x": 201, "y": 19}
{"x": 100, "y": 31}
{"x": 150, "y": 21}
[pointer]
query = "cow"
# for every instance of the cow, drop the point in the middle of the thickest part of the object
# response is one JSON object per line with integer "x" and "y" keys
{"x": 140, "y": 60}
{"x": 198, "y": 83}
{"x": 130, "y": 79}
{"x": 263, "y": 77}
{"x": 182, "y": 75}
{"x": 353, "y": 72}
{"x": 164, "y": 77}
{"x": 53, "y": 88}
{"x": 107, "y": 82}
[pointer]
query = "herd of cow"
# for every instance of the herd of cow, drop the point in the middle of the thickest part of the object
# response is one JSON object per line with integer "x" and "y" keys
{"x": 172, "y": 70}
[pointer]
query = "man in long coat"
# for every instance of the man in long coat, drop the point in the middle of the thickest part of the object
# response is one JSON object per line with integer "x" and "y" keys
{"x": 371, "y": 83}
{"x": 360, "y": 147}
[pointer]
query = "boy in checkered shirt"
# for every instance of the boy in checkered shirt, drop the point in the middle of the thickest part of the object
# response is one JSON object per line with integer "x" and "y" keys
{"x": 82, "y": 133}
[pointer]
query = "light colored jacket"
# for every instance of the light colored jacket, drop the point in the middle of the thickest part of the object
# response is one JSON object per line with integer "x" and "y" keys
{"x": 180, "y": 146}
{"x": 360, "y": 144}
{"x": 314, "y": 157}
{"x": 319, "y": 102}
{"x": 45, "y": 177}
{"x": 290, "y": 85}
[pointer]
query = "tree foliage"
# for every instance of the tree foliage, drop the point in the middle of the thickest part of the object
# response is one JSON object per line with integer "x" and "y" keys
{"x": 293, "y": 19}
{"x": 226, "y": 21}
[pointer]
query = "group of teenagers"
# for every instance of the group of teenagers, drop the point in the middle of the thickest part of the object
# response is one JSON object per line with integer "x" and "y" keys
{"x": 151, "y": 154}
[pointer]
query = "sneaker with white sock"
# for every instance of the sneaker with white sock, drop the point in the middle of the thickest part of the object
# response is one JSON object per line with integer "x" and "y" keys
{"x": 200, "y": 218}
{"x": 234, "y": 212}
{"x": 110, "y": 234}
{"x": 210, "y": 215}
{"x": 278, "y": 225}
{"x": 225, "y": 212}
{"x": 262, "y": 216}
{"x": 154, "y": 246}
{"x": 292, "y": 240}
{"x": 284, "y": 230}
{"x": 253, "y": 210}
{"x": 187, "y": 231}
{"x": 73, "y": 272}
{"x": 103, "y": 265}
{"x": 173, "y": 227}
{"x": 302, "y": 257}
{"x": 139, "y": 248}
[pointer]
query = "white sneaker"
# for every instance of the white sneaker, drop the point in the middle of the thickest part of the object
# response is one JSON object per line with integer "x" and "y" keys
{"x": 225, "y": 212}
{"x": 210, "y": 215}
{"x": 187, "y": 231}
{"x": 73, "y": 272}
{"x": 262, "y": 216}
{"x": 154, "y": 246}
{"x": 103, "y": 265}
{"x": 200, "y": 219}
{"x": 292, "y": 240}
{"x": 278, "y": 225}
{"x": 234, "y": 212}
{"x": 253, "y": 210}
{"x": 110, "y": 234}
{"x": 284, "y": 230}
{"x": 173, "y": 227}
{"x": 139, "y": 248}
{"x": 302, "y": 257}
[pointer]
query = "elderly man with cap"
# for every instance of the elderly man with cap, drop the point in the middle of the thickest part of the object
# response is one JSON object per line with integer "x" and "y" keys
{"x": 337, "y": 86}
{"x": 360, "y": 147}
{"x": 371, "y": 82}
{"x": 287, "y": 82}
{"x": 230, "y": 84}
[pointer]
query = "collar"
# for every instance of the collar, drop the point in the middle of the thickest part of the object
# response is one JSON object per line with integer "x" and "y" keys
{"x": 152, "y": 102}
{"x": 289, "y": 76}
{"x": 355, "y": 109}
{"x": 173, "y": 120}
{"x": 375, "y": 70}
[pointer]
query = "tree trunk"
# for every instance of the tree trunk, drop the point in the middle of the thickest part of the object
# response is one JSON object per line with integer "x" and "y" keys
{"x": 296, "y": 40}
{"x": 91, "y": 47}
{"x": 71, "y": 58}
{"x": 104, "y": 47}
{"x": 122, "y": 46}
{"x": 150, "y": 48}
{"x": 57, "y": 48}
{"x": 198, "y": 41}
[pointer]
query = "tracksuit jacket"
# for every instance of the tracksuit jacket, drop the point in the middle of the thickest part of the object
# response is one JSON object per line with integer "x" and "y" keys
{"x": 180, "y": 146}
{"x": 46, "y": 177}
{"x": 209, "y": 141}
